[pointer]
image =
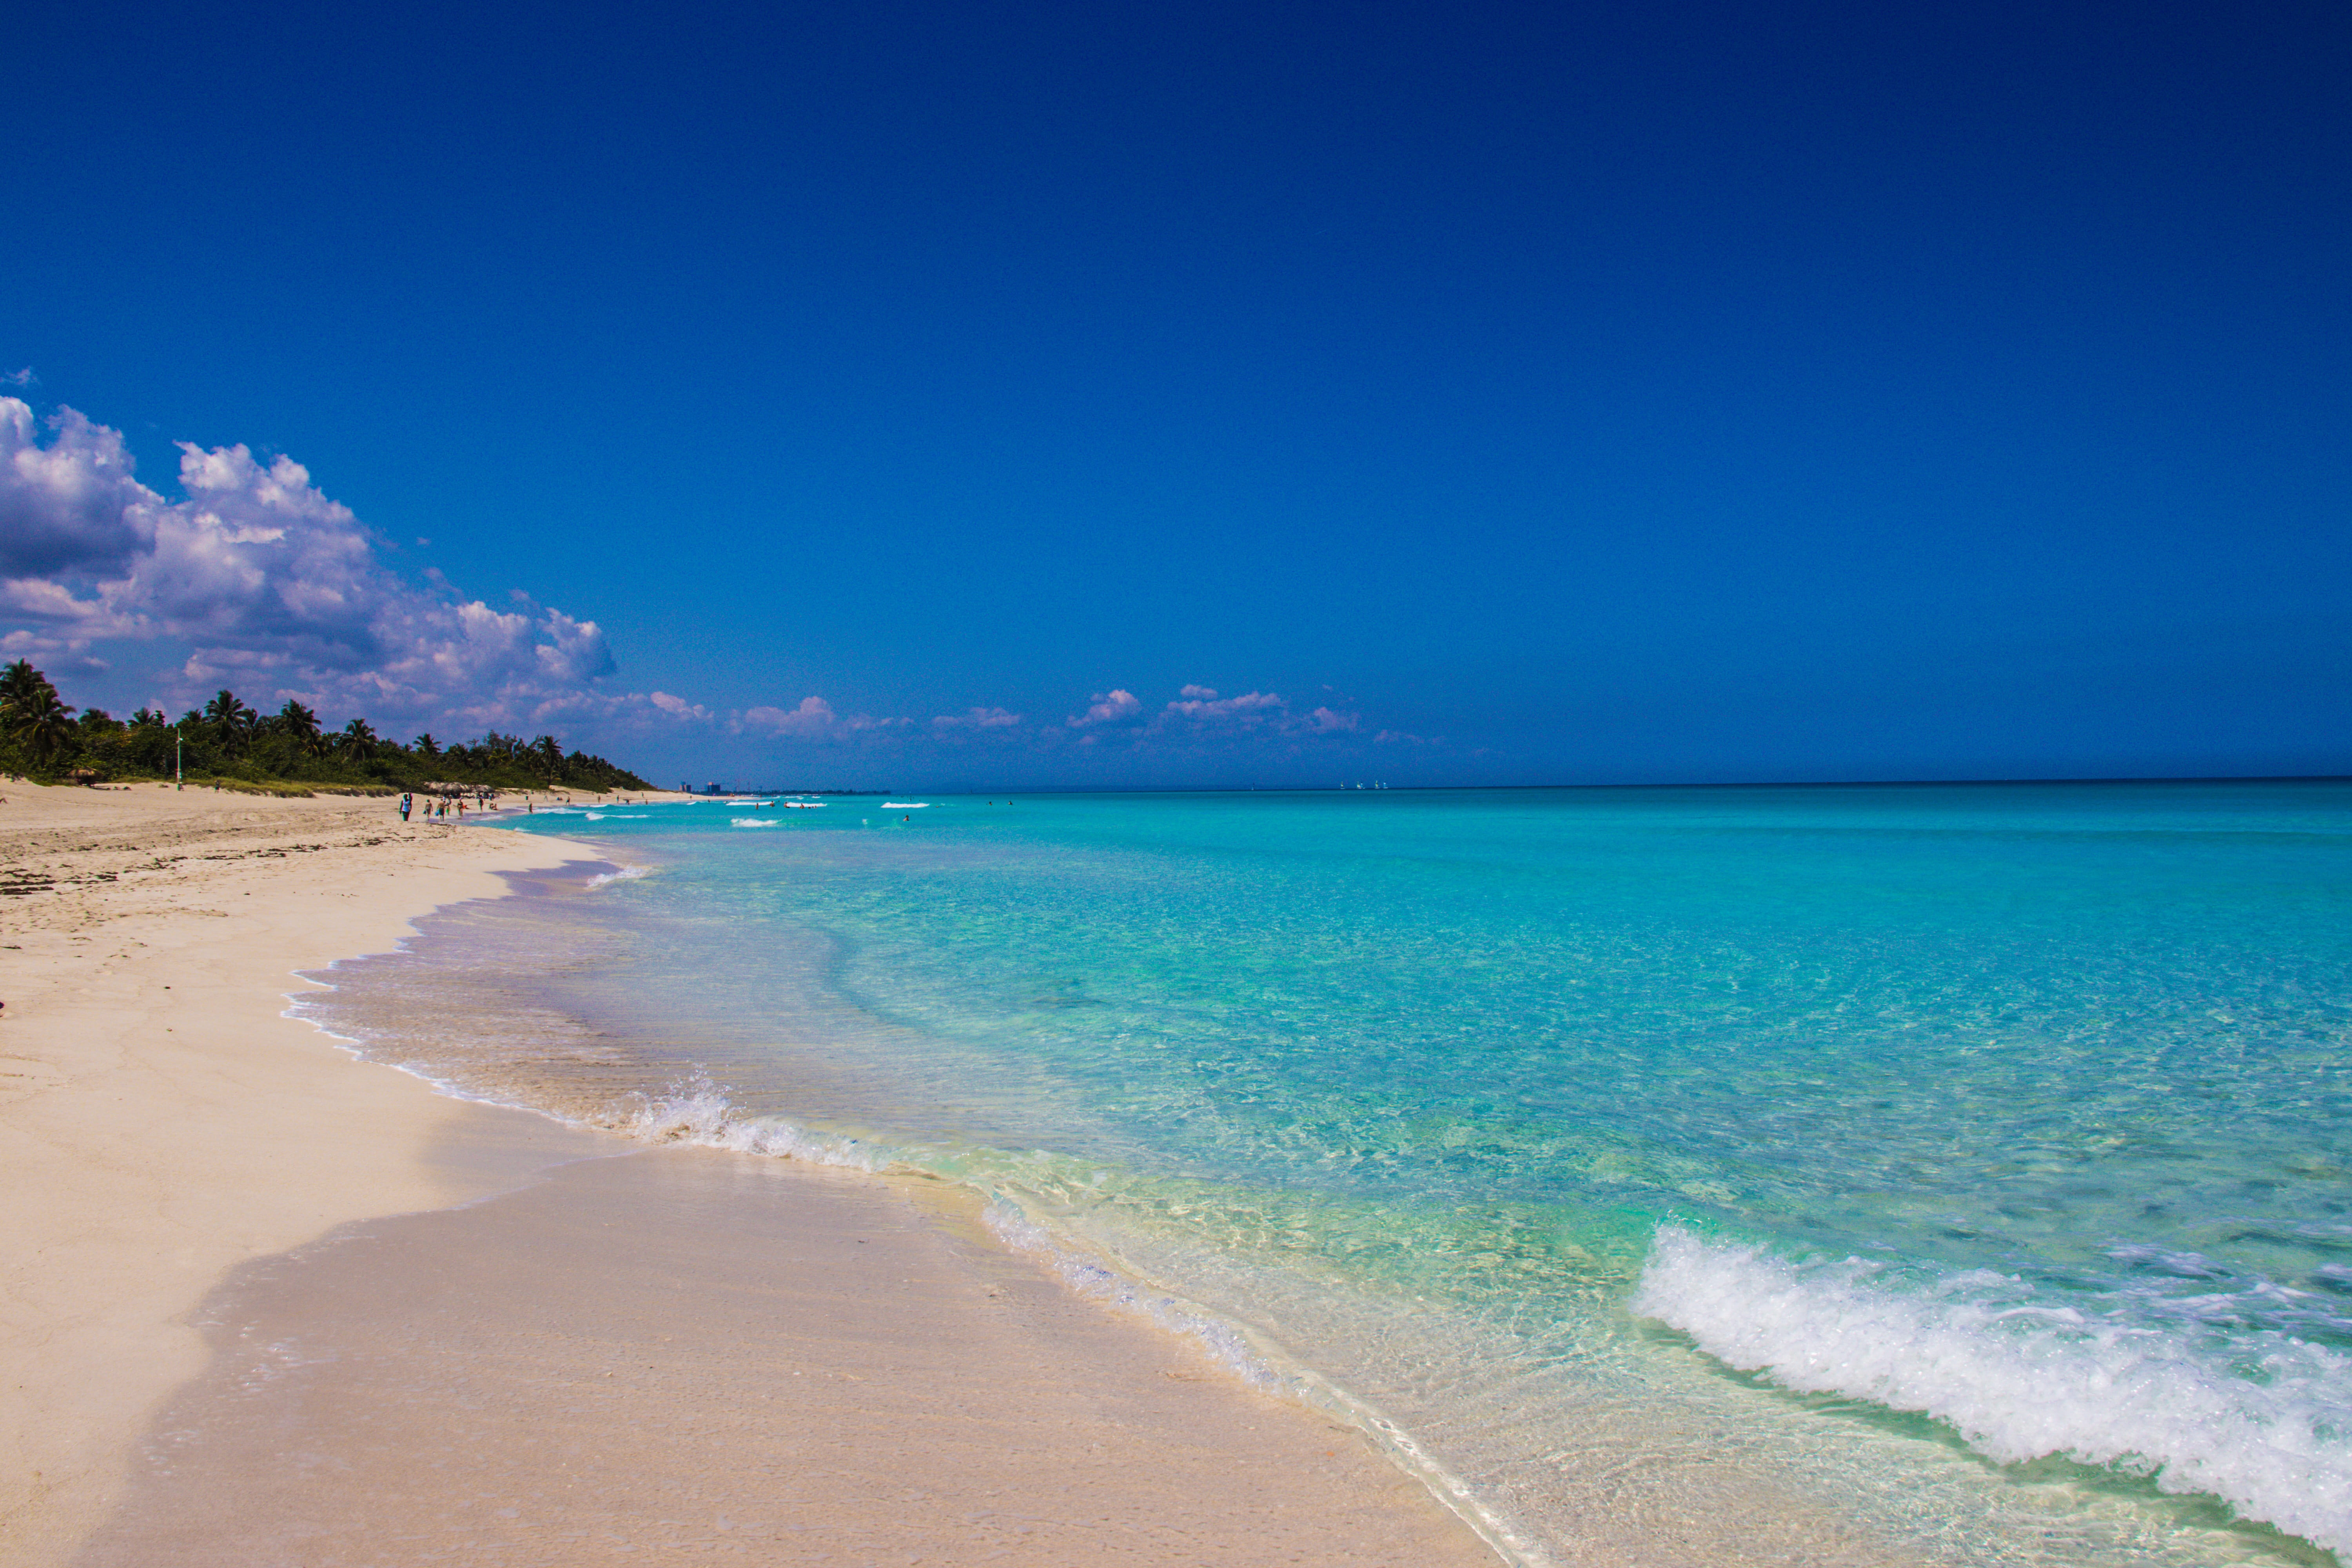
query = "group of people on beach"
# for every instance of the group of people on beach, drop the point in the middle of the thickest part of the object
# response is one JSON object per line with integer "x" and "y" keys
{"x": 438, "y": 806}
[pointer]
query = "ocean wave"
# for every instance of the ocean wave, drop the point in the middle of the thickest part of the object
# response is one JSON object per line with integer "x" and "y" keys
{"x": 755, "y": 821}
{"x": 2260, "y": 1424}
{"x": 906, "y": 806}
{"x": 625, "y": 874}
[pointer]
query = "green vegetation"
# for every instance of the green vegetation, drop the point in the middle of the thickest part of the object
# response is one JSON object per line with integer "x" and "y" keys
{"x": 282, "y": 753}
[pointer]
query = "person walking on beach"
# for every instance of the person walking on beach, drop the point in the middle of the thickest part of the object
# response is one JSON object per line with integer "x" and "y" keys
{"x": 405, "y": 801}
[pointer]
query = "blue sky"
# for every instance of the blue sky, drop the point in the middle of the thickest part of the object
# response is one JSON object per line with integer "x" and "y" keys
{"x": 868, "y": 394}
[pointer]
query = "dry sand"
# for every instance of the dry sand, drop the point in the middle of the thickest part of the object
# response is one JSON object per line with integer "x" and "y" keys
{"x": 242, "y": 1322}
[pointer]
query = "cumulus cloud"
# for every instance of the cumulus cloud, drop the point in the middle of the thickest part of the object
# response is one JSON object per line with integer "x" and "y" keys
{"x": 814, "y": 719}
{"x": 55, "y": 653}
{"x": 1204, "y": 713}
{"x": 977, "y": 719}
{"x": 1108, "y": 707}
{"x": 1249, "y": 710}
{"x": 71, "y": 504}
{"x": 677, "y": 707}
{"x": 267, "y": 578}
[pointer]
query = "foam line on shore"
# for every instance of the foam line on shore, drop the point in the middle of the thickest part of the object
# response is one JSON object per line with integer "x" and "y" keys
{"x": 699, "y": 1112}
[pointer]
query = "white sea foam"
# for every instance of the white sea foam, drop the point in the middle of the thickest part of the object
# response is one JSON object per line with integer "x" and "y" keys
{"x": 755, "y": 821}
{"x": 2261, "y": 1425}
{"x": 699, "y": 1112}
{"x": 625, "y": 874}
{"x": 906, "y": 806}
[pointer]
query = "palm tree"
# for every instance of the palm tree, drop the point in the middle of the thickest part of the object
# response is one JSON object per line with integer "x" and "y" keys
{"x": 357, "y": 741}
{"x": 225, "y": 710}
{"x": 41, "y": 722}
{"x": 18, "y": 682}
{"x": 232, "y": 718}
{"x": 546, "y": 758}
{"x": 299, "y": 725}
{"x": 426, "y": 746}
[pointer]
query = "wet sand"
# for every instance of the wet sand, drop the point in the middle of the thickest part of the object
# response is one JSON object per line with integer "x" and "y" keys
{"x": 681, "y": 1351}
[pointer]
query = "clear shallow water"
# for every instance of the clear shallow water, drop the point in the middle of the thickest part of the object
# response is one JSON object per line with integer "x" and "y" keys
{"x": 1871, "y": 1174}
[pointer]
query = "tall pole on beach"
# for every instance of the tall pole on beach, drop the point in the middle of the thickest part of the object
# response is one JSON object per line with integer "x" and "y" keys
{"x": 177, "y": 782}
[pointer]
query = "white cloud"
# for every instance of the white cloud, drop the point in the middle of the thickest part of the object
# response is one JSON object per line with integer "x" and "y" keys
{"x": 71, "y": 504}
{"x": 1249, "y": 710}
{"x": 268, "y": 580}
{"x": 977, "y": 719}
{"x": 55, "y": 653}
{"x": 677, "y": 707}
{"x": 814, "y": 719}
{"x": 1108, "y": 707}
{"x": 1204, "y": 713}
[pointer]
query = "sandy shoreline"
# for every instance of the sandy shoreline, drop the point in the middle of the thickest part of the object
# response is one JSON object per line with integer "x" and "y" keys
{"x": 173, "y": 1142}
{"x": 160, "y": 1121}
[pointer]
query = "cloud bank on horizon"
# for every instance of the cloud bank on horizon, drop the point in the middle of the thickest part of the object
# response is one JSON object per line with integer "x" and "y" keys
{"x": 271, "y": 585}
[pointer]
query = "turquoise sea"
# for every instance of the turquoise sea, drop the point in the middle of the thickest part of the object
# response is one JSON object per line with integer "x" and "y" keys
{"x": 1870, "y": 1174}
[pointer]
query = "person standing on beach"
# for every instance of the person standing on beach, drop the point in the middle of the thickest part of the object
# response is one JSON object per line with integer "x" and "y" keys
{"x": 405, "y": 801}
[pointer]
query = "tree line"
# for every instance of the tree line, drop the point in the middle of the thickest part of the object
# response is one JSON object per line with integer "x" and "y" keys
{"x": 42, "y": 738}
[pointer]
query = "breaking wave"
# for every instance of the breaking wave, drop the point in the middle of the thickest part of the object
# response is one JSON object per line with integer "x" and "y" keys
{"x": 2260, "y": 1422}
